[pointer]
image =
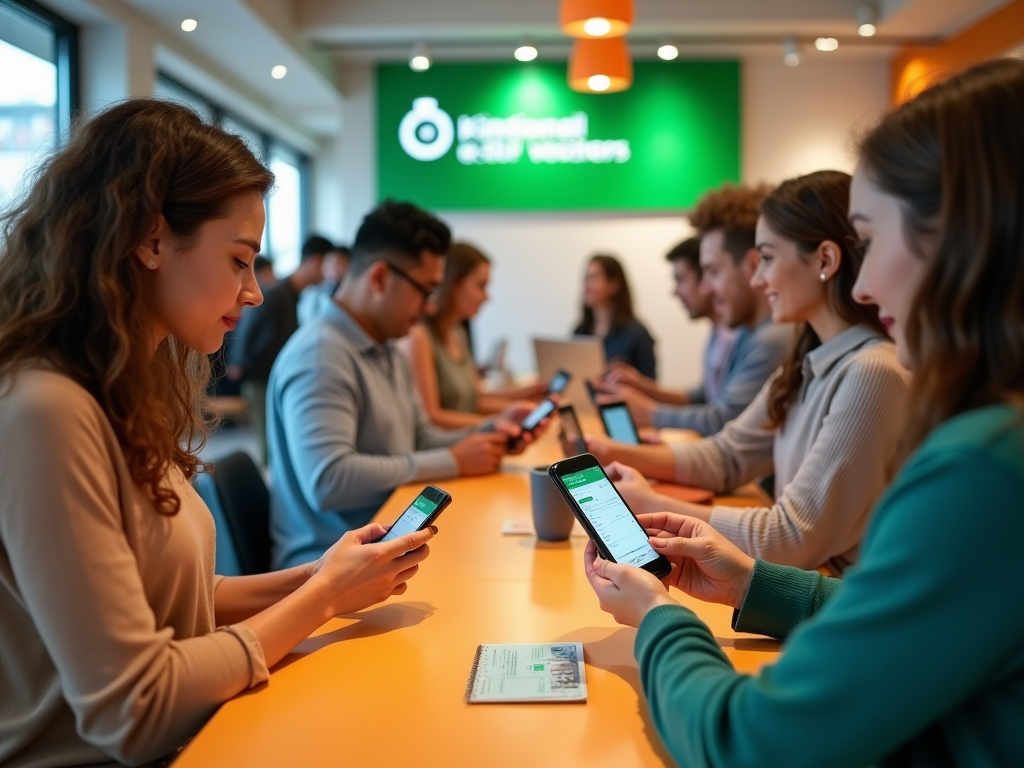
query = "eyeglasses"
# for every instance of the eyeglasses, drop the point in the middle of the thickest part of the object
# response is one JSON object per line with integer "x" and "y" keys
{"x": 430, "y": 295}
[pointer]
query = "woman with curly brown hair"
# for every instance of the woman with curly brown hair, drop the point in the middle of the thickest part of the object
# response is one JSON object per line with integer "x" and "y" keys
{"x": 824, "y": 424}
{"x": 915, "y": 658}
{"x": 122, "y": 269}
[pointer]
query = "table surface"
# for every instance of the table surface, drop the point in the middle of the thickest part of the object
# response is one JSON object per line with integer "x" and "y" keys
{"x": 384, "y": 687}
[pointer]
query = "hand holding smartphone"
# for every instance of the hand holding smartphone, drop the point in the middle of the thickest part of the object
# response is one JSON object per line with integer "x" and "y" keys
{"x": 423, "y": 511}
{"x": 604, "y": 514}
{"x": 559, "y": 381}
{"x": 618, "y": 423}
{"x": 533, "y": 419}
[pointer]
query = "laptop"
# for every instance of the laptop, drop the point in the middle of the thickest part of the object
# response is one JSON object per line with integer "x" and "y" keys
{"x": 582, "y": 356}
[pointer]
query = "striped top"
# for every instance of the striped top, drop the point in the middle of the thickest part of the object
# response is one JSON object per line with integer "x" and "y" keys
{"x": 829, "y": 458}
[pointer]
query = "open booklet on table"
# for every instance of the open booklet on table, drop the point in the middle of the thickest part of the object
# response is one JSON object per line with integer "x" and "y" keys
{"x": 527, "y": 673}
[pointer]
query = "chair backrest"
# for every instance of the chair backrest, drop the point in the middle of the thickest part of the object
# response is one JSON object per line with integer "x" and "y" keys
{"x": 244, "y": 504}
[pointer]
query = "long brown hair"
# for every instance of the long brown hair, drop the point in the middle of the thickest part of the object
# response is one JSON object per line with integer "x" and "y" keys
{"x": 622, "y": 301}
{"x": 954, "y": 158}
{"x": 73, "y": 293}
{"x": 808, "y": 211}
{"x": 460, "y": 261}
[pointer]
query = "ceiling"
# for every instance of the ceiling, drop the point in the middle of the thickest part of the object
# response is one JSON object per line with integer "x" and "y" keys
{"x": 466, "y": 29}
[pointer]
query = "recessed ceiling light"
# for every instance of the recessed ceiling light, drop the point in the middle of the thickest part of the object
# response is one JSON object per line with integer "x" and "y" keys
{"x": 599, "y": 82}
{"x": 279, "y": 71}
{"x": 826, "y": 43}
{"x": 668, "y": 51}
{"x": 790, "y": 52}
{"x": 525, "y": 52}
{"x": 866, "y": 18}
{"x": 597, "y": 26}
{"x": 189, "y": 25}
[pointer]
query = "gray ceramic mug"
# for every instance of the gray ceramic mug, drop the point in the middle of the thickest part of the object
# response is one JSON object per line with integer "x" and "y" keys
{"x": 552, "y": 518}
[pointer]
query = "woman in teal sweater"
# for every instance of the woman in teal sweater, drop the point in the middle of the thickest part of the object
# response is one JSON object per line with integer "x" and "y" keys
{"x": 917, "y": 656}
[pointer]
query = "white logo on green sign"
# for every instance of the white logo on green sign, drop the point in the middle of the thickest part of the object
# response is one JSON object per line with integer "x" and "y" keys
{"x": 427, "y": 133}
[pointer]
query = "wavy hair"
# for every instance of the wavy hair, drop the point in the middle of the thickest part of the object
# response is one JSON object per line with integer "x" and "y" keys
{"x": 808, "y": 211}
{"x": 73, "y": 293}
{"x": 954, "y": 159}
{"x": 460, "y": 262}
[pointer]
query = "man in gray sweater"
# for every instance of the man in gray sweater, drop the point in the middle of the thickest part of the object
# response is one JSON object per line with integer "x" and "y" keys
{"x": 725, "y": 220}
{"x": 345, "y": 425}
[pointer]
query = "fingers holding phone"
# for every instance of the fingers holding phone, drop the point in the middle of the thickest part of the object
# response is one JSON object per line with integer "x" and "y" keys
{"x": 358, "y": 572}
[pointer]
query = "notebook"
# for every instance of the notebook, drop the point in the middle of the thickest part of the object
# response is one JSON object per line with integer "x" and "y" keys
{"x": 547, "y": 672}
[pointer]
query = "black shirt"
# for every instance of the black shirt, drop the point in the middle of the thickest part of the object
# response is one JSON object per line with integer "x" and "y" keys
{"x": 630, "y": 343}
{"x": 263, "y": 331}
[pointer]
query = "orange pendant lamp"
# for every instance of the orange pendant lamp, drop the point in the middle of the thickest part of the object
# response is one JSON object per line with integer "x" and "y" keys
{"x": 600, "y": 65}
{"x": 596, "y": 18}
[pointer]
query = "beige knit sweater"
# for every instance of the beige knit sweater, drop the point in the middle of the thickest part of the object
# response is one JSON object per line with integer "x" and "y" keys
{"x": 109, "y": 643}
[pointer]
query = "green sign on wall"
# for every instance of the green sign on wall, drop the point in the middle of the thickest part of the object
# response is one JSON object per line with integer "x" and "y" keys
{"x": 491, "y": 136}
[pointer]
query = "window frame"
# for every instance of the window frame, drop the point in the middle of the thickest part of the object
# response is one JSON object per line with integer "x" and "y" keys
{"x": 66, "y": 54}
{"x": 268, "y": 143}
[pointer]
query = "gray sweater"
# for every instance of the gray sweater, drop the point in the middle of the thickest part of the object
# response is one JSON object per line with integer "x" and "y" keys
{"x": 829, "y": 458}
{"x": 345, "y": 428}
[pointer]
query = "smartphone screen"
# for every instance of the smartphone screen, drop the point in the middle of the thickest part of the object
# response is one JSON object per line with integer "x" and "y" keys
{"x": 537, "y": 415}
{"x": 413, "y": 518}
{"x": 559, "y": 381}
{"x": 619, "y": 424}
{"x": 621, "y": 534}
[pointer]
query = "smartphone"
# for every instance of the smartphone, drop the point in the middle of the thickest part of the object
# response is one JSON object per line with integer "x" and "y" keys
{"x": 604, "y": 514}
{"x": 533, "y": 419}
{"x": 591, "y": 390}
{"x": 422, "y": 512}
{"x": 572, "y": 435}
{"x": 559, "y": 381}
{"x": 618, "y": 423}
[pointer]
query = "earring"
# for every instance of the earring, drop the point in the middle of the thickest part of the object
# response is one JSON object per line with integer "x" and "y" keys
{"x": 823, "y": 276}
{"x": 152, "y": 265}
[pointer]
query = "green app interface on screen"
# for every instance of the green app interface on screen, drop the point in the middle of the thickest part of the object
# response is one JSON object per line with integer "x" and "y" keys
{"x": 412, "y": 518}
{"x": 609, "y": 515}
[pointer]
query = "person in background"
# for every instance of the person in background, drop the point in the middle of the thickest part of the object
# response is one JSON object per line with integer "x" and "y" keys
{"x": 915, "y": 658}
{"x": 120, "y": 271}
{"x": 824, "y": 424}
{"x": 726, "y": 219}
{"x": 315, "y": 298}
{"x": 439, "y": 354}
{"x": 345, "y": 424}
{"x": 685, "y": 261}
{"x": 264, "y": 331}
{"x": 608, "y": 314}
{"x": 264, "y": 269}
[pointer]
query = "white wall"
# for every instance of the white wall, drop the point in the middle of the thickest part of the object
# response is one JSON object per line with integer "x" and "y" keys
{"x": 795, "y": 120}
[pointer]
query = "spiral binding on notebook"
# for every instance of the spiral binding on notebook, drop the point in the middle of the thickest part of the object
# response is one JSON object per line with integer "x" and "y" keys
{"x": 472, "y": 672}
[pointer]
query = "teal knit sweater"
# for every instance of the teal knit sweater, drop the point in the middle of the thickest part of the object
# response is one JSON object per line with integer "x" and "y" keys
{"x": 915, "y": 658}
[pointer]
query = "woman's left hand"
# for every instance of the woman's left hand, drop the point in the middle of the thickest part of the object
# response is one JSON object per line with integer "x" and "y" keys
{"x": 626, "y": 592}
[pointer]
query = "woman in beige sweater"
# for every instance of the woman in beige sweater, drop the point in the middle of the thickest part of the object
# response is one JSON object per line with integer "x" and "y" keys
{"x": 121, "y": 270}
{"x": 825, "y": 423}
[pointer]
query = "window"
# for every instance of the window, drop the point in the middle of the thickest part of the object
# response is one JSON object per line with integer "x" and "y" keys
{"x": 287, "y": 202}
{"x": 37, "y": 93}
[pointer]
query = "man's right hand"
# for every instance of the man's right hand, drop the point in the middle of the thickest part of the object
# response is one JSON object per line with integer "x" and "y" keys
{"x": 480, "y": 452}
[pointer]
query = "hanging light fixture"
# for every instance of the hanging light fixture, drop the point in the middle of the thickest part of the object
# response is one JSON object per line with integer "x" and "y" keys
{"x": 866, "y": 17}
{"x": 791, "y": 52}
{"x": 420, "y": 60}
{"x": 600, "y": 66}
{"x": 596, "y": 18}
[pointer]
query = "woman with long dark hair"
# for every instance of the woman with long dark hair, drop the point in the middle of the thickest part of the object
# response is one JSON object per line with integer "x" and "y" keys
{"x": 917, "y": 656}
{"x": 608, "y": 314}
{"x": 826, "y": 420}
{"x": 121, "y": 270}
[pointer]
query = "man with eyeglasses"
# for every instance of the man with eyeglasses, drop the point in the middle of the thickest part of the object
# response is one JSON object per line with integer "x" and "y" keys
{"x": 345, "y": 425}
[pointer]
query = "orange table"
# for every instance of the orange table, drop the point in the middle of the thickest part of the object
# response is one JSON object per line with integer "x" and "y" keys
{"x": 384, "y": 687}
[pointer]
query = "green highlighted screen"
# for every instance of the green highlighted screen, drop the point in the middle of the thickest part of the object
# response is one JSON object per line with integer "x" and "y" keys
{"x": 495, "y": 136}
{"x": 424, "y": 505}
{"x": 575, "y": 479}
